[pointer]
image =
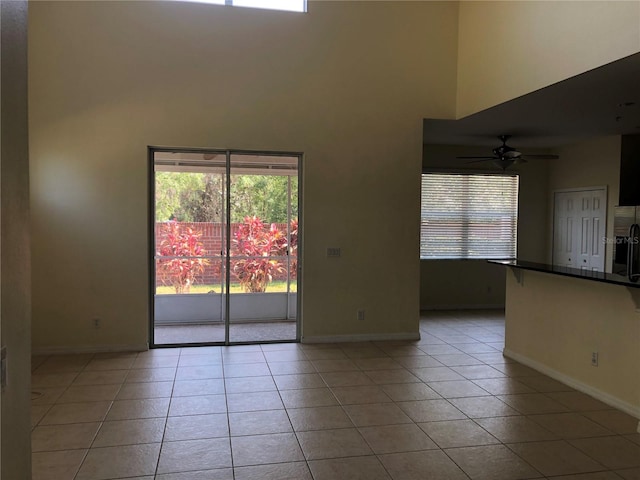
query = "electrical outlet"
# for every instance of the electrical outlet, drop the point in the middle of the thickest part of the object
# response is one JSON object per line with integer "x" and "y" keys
{"x": 96, "y": 322}
{"x": 594, "y": 359}
{"x": 333, "y": 252}
{"x": 360, "y": 314}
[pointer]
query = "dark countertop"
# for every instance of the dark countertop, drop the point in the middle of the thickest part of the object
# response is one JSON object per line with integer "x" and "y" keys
{"x": 568, "y": 272}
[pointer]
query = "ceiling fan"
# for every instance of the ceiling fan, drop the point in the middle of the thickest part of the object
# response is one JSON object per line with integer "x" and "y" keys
{"x": 504, "y": 156}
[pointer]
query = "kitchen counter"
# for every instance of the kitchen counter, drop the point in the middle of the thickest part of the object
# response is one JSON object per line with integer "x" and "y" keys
{"x": 568, "y": 272}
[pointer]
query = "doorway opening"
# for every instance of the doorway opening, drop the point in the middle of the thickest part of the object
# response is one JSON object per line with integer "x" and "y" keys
{"x": 225, "y": 236}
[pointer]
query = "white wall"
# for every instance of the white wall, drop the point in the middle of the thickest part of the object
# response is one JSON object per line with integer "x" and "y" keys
{"x": 15, "y": 315}
{"x": 509, "y": 49}
{"x": 348, "y": 84}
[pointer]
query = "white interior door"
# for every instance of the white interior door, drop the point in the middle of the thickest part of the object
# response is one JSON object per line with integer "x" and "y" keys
{"x": 579, "y": 229}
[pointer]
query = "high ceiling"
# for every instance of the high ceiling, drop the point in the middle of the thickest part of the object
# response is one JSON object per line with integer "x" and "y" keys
{"x": 603, "y": 101}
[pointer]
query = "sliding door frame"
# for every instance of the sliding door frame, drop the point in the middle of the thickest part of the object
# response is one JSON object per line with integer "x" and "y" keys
{"x": 151, "y": 217}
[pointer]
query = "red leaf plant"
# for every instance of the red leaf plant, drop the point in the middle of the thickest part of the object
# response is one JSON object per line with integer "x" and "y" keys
{"x": 255, "y": 245}
{"x": 183, "y": 249}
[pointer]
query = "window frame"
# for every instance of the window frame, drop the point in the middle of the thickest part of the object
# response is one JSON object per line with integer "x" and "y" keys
{"x": 465, "y": 241}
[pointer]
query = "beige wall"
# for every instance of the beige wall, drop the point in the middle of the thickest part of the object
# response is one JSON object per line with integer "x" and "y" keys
{"x": 508, "y": 49}
{"x": 592, "y": 163}
{"x": 15, "y": 315}
{"x": 554, "y": 323}
{"x": 475, "y": 283}
{"x": 348, "y": 84}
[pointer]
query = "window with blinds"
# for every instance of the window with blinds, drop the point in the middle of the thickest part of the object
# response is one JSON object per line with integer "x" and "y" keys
{"x": 468, "y": 216}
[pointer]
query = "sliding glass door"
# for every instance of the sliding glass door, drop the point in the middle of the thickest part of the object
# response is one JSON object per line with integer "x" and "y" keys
{"x": 226, "y": 243}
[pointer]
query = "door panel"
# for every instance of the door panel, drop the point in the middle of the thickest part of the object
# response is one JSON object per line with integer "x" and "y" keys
{"x": 579, "y": 232}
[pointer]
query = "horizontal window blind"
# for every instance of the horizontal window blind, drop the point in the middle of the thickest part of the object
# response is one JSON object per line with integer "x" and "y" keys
{"x": 468, "y": 216}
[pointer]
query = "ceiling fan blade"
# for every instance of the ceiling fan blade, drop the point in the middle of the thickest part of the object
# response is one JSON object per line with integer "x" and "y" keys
{"x": 543, "y": 157}
{"x": 484, "y": 158}
{"x": 488, "y": 159}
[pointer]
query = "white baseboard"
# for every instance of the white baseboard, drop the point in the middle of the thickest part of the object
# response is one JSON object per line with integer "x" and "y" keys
{"x": 360, "y": 337}
{"x": 64, "y": 350}
{"x": 604, "y": 397}
{"x": 483, "y": 306}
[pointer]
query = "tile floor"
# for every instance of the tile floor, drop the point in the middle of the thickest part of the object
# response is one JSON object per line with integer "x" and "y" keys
{"x": 447, "y": 407}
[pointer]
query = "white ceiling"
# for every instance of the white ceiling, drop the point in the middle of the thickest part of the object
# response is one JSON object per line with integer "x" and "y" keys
{"x": 587, "y": 105}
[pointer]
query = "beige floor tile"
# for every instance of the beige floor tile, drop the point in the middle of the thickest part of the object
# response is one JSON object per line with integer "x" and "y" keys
{"x": 393, "y": 376}
{"x": 578, "y": 402}
{"x": 308, "y": 397}
{"x": 199, "y": 372}
{"x": 190, "y": 455}
{"x": 291, "y": 368}
{"x": 89, "y": 393}
{"x": 263, "y": 449}
{"x": 258, "y": 423}
{"x": 217, "y": 474}
{"x": 360, "y": 395}
{"x": 346, "y": 379}
{"x": 200, "y": 405}
{"x": 421, "y": 465}
{"x": 376, "y": 414}
{"x": 344, "y": 442}
{"x": 76, "y": 413}
{"x": 431, "y": 411}
{"x": 249, "y": 384}
{"x": 195, "y": 427}
{"x": 334, "y": 365}
{"x": 424, "y": 361}
{"x": 151, "y": 375}
{"x": 213, "y": 351}
{"x": 318, "y": 418}
{"x": 482, "y": 407}
{"x": 234, "y": 356}
{"x": 376, "y": 363}
{"x": 64, "y": 363}
{"x": 38, "y": 412}
{"x": 396, "y": 438}
{"x": 139, "y": 408}
{"x": 284, "y": 356}
{"x": 614, "y": 452}
{"x": 436, "y": 374}
{"x": 409, "y": 391}
{"x": 119, "y": 462}
{"x": 101, "y": 377}
{"x": 156, "y": 362}
{"x": 281, "y": 471}
{"x": 63, "y": 437}
{"x": 209, "y": 386}
{"x": 124, "y": 362}
{"x": 132, "y": 391}
{"x": 354, "y": 468}
{"x": 478, "y": 372}
{"x": 629, "y": 474}
{"x": 502, "y": 386}
{"x": 457, "y": 360}
{"x": 295, "y": 382}
{"x": 45, "y": 380}
{"x": 590, "y": 476}
{"x": 458, "y": 433}
{"x": 516, "y": 370}
{"x": 570, "y": 425}
{"x": 246, "y": 370}
{"x": 363, "y": 350}
{"x": 439, "y": 348}
{"x": 555, "y": 458}
{"x": 544, "y": 384}
{"x": 251, "y": 402}
{"x": 61, "y": 465}
{"x": 475, "y": 348}
{"x": 634, "y": 437}
{"x": 46, "y": 395}
{"x": 515, "y": 429}
{"x": 458, "y": 388}
{"x": 614, "y": 420}
{"x": 202, "y": 360}
{"x": 130, "y": 432}
{"x": 400, "y": 350}
{"x": 533, "y": 403}
{"x": 492, "y": 462}
{"x": 323, "y": 353}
